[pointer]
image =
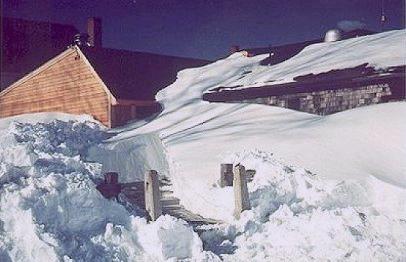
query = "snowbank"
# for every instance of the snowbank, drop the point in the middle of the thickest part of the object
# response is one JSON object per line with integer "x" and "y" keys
{"x": 132, "y": 157}
{"x": 353, "y": 209}
{"x": 379, "y": 51}
{"x": 44, "y": 117}
{"x": 296, "y": 216}
{"x": 51, "y": 210}
{"x": 198, "y": 135}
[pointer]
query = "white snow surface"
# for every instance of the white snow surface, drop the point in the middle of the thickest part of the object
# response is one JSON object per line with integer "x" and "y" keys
{"x": 379, "y": 51}
{"x": 297, "y": 216}
{"x": 44, "y": 117}
{"x": 51, "y": 210}
{"x": 348, "y": 206}
{"x": 366, "y": 146}
{"x": 198, "y": 135}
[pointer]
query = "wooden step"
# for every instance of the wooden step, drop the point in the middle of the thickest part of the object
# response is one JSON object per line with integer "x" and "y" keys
{"x": 134, "y": 192}
{"x": 170, "y": 202}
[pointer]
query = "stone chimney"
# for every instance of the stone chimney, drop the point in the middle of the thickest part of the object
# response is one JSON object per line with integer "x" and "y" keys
{"x": 94, "y": 30}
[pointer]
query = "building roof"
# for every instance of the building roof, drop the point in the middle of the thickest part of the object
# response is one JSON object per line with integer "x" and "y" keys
{"x": 136, "y": 75}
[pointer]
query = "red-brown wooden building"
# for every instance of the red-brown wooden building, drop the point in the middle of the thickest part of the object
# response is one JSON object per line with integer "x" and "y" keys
{"x": 114, "y": 86}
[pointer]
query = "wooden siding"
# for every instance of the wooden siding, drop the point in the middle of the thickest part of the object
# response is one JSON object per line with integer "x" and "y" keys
{"x": 66, "y": 85}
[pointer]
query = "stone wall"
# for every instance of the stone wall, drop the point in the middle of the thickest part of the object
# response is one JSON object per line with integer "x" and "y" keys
{"x": 330, "y": 101}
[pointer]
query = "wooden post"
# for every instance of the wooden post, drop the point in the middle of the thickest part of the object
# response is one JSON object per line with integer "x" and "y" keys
{"x": 226, "y": 175}
{"x": 152, "y": 195}
{"x": 241, "y": 197}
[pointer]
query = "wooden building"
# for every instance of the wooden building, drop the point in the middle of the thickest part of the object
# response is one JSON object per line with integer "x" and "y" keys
{"x": 324, "y": 93}
{"x": 114, "y": 86}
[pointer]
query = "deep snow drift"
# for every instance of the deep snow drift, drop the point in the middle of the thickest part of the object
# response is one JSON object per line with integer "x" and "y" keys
{"x": 198, "y": 135}
{"x": 379, "y": 51}
{"x": 365, "y": 145}
{"x": 298, "y": 216}
{"x": 51, "y": 210}
{"x": 348, "y": 206}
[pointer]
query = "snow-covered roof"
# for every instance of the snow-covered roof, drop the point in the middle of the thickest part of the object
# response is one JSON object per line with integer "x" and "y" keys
{"x": 378, "y": 51}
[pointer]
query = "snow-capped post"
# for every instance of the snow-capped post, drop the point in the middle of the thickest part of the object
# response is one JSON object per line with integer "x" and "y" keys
{"x": 152, "y": 195}
{"x": 226, "y": 175}
{"x": 241, "y": 197}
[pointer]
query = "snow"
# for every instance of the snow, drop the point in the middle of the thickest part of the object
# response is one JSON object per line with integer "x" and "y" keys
{"x": 166, "y": 239}
{"x": 51, "y": 210}
{"x": 298, "y": 216}
{"x": 44, "y": 118}
{"x": 379, "y": 51}
{"x": 358, "y": 153}
{"x": 325, "y": 188}
{"x": 197, "y": 135}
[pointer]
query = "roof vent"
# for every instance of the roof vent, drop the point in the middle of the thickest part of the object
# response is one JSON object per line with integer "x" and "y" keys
{"x": 332, "y": 35}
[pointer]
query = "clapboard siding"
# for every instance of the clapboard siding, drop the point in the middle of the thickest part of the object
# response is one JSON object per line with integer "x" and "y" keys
{"x": 67, "y": 85}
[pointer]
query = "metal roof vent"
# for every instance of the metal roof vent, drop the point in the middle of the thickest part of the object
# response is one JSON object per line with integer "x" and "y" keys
{"x": 332, "y": 35}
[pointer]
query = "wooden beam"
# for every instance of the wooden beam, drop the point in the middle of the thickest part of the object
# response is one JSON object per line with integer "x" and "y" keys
{"x": 241, "y": 197}
{"x": 152, "y": 195}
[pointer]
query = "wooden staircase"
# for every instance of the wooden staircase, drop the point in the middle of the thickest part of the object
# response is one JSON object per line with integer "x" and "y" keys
{"x": 134, "y": 193}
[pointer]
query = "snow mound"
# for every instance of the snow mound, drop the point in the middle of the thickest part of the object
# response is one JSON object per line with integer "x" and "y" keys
{"x": 352, "y": 210}
{"x": 167, "y": 239}
{"x": 378, "y": 50}
{"x": 297, "y": 216}
{"x": 196, "y": 135}
{"x": 51, "y": 210}
{"x": 44, "y": 117}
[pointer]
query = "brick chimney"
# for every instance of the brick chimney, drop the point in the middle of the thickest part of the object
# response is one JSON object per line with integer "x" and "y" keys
{"x": 94, "y": 30}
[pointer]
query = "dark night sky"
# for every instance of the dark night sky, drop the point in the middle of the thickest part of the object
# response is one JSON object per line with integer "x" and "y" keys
{"x": 207, "y": 29}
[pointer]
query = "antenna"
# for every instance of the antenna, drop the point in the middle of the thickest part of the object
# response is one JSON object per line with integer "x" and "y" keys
{"x": 383, "y": 16}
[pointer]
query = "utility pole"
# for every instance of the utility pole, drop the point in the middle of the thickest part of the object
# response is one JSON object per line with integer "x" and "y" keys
{"x": 383, "y": 16}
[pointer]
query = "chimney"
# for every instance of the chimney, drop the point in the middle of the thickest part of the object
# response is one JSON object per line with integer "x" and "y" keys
{"x": 94, "y": 30}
